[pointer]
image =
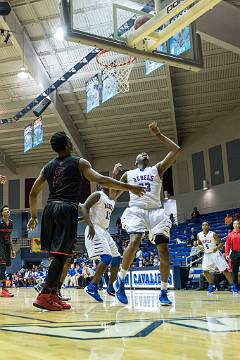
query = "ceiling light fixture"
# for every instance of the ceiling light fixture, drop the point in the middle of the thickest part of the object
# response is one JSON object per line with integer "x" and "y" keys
{"x": 59, "y": 34}
{"x": 23, "y": 73}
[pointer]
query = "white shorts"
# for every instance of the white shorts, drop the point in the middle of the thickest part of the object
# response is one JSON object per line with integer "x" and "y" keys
{"x": 101, "y": 244}
{"x": 214, "y": 262}
{"x": 136, "y": 220}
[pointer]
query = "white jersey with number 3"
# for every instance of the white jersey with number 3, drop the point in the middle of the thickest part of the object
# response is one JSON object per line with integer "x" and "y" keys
{"x": 150, "y": 179}
{"x": 100, "y": 212}
{"x": 208, "y": 241}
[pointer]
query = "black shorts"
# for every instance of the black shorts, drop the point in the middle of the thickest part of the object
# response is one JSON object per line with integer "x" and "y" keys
{"x": 59, "y": 228}
{"x": 5, "y": 254}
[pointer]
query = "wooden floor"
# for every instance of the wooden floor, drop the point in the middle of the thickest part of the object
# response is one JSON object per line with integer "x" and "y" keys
{"x": 198, "y": 326}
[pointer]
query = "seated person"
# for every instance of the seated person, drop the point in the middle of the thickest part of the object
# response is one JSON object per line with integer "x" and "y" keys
{"x": 195, "y": 252}
{"x": 195, "y": 215}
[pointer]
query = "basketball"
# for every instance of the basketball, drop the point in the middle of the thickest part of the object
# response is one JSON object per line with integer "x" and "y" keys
{"x": 140, "y": 21}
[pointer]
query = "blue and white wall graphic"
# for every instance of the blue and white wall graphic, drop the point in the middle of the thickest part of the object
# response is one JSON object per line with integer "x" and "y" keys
{"x": 181, "y": 42}
{"x": 92, "y": 93}
{"x": 152, "y": 65}
{"x": 109, "y": 85}
{"x": 37, "y": 132}
{"x": 28, "y": 141}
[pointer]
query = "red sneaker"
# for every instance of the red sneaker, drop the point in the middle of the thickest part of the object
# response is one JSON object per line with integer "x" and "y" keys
{"x": 61, "y": 297}
{"x": 63, "y": 304}
{"x": 6, "y": 293}
{"x": 46, "y": 301}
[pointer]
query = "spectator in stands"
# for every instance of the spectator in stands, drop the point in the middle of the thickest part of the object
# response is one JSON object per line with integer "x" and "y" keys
{"x": 228, "y": 220}
{"x": 78, "y": 277}
{"x": 193, "y": 237}
{"x": 87, "y": 275}
{"x": 236, "y": 216}
{"x": 195, "y": 215}
{"x": 156, "y": 261}
{"x": 139, "y": 262}
{"x": 119, "y": 226}
{"x": 195, "y": 252}
{"x": 232, "y": 250}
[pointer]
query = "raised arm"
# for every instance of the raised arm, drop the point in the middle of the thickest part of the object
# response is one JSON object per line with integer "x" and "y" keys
{"x": 86, "y": 169}
{"x": 173, "y": 148}
{"x": 36, "y": 189}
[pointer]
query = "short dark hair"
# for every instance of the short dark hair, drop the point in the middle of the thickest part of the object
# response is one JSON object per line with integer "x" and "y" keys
{"x": 3, "y": 207}
{"x": 59, "y": 141}
{"x": 206, "y": 222}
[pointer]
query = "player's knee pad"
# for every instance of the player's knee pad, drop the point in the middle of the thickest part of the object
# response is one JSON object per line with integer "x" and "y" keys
{"x": 161, "y": 239}
{"x": 116, "y": 261}
{"x": 2, "y": 271}
{"x": 106, "y": 259}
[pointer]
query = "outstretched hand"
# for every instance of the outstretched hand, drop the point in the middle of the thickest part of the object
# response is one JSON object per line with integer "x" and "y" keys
{"x": 116, "y": 169}
{"x": 154, "y": 129}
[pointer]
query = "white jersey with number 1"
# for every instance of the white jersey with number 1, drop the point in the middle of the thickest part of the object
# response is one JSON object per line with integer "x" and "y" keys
{"x": 102, "y": 243}
{"x": 101, "y": 212}
{"x": 150, "y": 179}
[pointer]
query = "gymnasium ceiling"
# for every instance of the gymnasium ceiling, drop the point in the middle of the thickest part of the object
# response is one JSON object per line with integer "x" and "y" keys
{"x": 181, "y": 101}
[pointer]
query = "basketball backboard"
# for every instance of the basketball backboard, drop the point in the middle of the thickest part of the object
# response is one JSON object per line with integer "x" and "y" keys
{"x": 168, "y": 37}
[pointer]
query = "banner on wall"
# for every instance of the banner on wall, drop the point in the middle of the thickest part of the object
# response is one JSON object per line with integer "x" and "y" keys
{"x": 152, "y": 65}
{"x": 181, "y": 42}
{"x": 36, "y": 245}
{"x": 28, "y": 141}
{"x": 109, "y": 85}
{"x": 146, "y": 278}
{"x": 37, "y": 132}
{"x": 92, "y": 93}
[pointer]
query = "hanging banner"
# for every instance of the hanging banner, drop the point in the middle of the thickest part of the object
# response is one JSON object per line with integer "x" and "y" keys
{"x": 109, "y": 85}
{"x": 28, "y": 141}
{"x": 181, "y": 42}
{"x": 92, "y": 93}
{"x": 152, "y": 65}
{"x": 37, "y": 132}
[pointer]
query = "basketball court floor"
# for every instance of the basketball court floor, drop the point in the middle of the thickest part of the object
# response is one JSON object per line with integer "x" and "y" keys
{"x": 198, "y": 326}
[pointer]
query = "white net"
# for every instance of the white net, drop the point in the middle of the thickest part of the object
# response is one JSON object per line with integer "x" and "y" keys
{"x": 118, "y": 66}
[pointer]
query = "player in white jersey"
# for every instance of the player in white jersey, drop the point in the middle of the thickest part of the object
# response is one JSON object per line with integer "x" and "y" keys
{"x": 102, "y": 247}
{"x": 213, "y": 259}
{"x": 148, "y": 214}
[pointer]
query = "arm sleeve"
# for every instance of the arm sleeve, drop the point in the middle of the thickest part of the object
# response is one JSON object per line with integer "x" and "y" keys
{"x": 228, "y": 245}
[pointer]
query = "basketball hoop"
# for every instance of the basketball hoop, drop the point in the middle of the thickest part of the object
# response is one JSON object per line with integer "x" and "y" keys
{"x": 118, "y": 66}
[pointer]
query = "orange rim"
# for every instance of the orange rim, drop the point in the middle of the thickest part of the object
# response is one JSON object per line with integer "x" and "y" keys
{"x": 102, "y": 52}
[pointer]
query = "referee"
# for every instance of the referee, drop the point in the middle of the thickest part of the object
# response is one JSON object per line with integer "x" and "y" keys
{"x": 233, "y": 248}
